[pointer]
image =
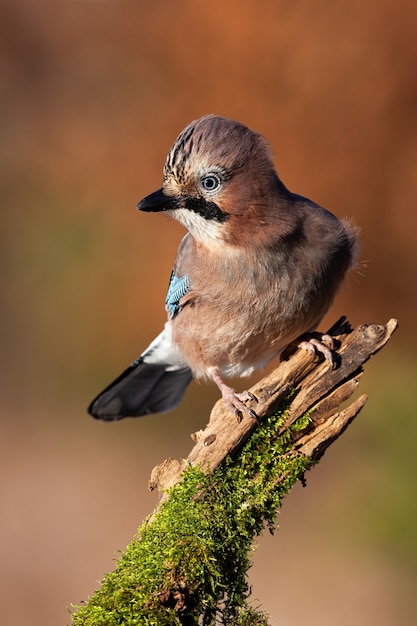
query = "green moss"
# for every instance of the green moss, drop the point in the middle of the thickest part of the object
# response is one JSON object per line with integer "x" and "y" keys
{"x": 189, "y": 565}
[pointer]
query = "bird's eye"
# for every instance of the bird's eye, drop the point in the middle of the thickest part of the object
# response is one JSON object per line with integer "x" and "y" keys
{"x": 210, "y": 183}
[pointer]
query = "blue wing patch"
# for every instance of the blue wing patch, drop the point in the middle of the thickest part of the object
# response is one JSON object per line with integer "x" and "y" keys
{"x": 177, "y": 289}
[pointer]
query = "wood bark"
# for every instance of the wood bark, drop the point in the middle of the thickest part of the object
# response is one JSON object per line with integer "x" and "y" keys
{"x": 178, "y": 569}
{"x": 307, "y": 384}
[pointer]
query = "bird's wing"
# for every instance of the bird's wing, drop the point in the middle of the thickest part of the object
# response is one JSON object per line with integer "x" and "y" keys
{"x": 157, "y": 380}
{"x": 154, "y": 383}
{"x": 178, "y": 288}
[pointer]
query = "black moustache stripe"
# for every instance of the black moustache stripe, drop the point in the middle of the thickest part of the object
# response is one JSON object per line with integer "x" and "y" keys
{"x": 205, "y": 208}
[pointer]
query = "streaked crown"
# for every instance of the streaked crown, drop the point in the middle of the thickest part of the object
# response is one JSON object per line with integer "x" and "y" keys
{"x": 213, "y": 142}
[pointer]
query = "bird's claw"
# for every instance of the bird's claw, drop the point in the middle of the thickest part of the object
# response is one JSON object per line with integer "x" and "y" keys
{"x": 246, "y": 396}
{"x": 324, "y": 345}
{"x": 235, "y": 402}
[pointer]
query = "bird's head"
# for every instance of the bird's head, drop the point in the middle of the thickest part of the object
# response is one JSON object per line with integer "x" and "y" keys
{"x": 217, "y": 178}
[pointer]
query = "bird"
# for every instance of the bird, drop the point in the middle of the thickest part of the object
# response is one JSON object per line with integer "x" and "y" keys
{"x": 257, "y": 270}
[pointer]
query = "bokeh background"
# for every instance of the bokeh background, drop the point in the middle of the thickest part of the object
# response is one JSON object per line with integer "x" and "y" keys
{"x": 92, "y": 94}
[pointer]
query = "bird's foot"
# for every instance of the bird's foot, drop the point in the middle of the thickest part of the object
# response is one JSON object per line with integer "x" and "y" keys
{"x": 234, "y": 401}
{"x": 323, "y": 345}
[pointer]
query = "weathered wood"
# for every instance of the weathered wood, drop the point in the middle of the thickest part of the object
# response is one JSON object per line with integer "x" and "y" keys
{"x": 307, "y": 384}
{"x": 188, "y": 564}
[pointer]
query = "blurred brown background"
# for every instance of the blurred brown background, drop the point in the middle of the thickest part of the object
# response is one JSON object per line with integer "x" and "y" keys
{"x": 92, "y": 95}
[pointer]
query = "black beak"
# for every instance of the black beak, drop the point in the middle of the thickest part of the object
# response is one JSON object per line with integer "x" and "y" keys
{"x": 157, "y": 201}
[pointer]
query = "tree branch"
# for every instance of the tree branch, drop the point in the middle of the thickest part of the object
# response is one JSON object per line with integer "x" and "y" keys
{"x": 312, "y": 386}
{"x": 188, "y": 564}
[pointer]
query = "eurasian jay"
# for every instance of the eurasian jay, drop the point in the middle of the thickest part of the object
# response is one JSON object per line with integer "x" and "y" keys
{"x": 259, "y": 267}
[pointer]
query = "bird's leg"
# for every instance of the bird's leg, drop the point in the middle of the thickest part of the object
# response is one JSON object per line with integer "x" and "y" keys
{"x": 233, "y": 400}
{"x": 324, "y": 346}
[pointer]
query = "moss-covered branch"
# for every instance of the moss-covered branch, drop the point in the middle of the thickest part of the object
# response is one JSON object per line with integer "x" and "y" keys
{"x": 189, "y": 561}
